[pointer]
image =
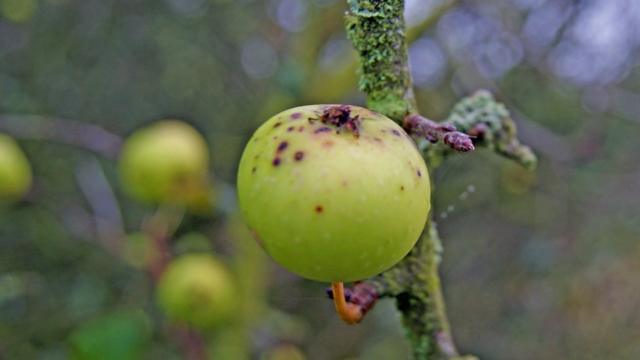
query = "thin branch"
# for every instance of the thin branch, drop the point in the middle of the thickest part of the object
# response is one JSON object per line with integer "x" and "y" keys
{"x": 70, "y": 132}
{"x": 433, "y": 132}
{"x": 489, "y": 124}
{"x": 105, "y": 207}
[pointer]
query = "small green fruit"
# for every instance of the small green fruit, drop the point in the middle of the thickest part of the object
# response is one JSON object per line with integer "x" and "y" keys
{"x": 284, "y": 352}
{"x": 197, "y": 289}
{"x": 334, "y": 192}
{"x": 166, "y": 162}
{"x": 15, "y": 171}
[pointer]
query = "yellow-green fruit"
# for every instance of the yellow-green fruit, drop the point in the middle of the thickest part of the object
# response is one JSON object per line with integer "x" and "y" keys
{"x": 197, "y": 289}
{"x": 334, "y": 192}
{"x": 166, "y": 162}
{"x": 15, "y": 171}
{"x": 284, "y": 352}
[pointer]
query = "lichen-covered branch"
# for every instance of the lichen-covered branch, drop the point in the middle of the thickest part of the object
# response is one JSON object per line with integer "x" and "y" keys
{"x": 376, "y": 29}
{"x": 489, "y": 125}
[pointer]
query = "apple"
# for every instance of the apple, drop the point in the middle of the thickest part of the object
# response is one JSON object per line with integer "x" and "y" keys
{"x": 197, "y": 289}
{"x": 167, "y": 162}
{"x": 15, "y": 171}
{"x": 334, "y": 192}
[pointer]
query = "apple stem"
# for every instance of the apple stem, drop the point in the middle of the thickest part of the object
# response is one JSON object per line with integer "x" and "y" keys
{"x": 349, "y": 313}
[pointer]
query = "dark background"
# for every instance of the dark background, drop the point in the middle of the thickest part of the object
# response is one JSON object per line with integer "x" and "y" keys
{"x": 540, "y": 265}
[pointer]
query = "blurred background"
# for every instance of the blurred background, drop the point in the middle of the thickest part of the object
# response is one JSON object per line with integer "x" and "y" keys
{"x": 537, "y": 265}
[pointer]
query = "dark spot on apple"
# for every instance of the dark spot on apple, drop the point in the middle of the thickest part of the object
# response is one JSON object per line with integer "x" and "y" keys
{"x": 296, "y": 115}
{"x": 378, "y": 140}
{"x": 299, "y": 155}
{"x": 401, "y": 187}
{"x": 283, "y": 145}
{"x": 419, "y": 173}
{"x": 276, "y": 161}
{"x": 290, "y": 129}
{"x": 319, "y": 209}
{"x": 301, "y": 129}
{"x": 321, "y": 130}
{"x": 253, "y": 170}
{"x": 395, "y": 132}
{"x": 277, "y": 124}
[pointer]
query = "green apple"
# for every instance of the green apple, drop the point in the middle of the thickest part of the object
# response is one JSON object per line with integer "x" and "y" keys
{"x": 167, "y": 162}
{"x": 197, "y": 289}
{"x": 334, "y": 192}
{"x": 15, "y": 171}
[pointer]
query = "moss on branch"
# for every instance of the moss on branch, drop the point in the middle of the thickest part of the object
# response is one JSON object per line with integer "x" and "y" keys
{"x": 376, "y": 29}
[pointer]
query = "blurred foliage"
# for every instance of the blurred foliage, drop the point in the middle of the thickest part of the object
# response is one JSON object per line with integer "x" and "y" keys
{"x": 537, "y": 265}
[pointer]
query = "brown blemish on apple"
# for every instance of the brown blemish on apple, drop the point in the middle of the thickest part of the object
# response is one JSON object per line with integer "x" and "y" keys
{"x": 322, "y": 130}
{"x": 395, "y": 132}
{"x": 290, "y": 128}
{"x": 340, "y": 117}
{"x": 401, "y": 187}
{"x": 253, "y": 170}
{"x": 277, "y": 124}
{"x": 301, "y": 129}
{"x": 298, "y": 156}
{"x": 319, "y": 209}
{"x": 328, "y": 143}
{"x": 283, "y": 145}
{"x": 419, "y": 173}
{"x": 276, "y": 161}
{"x": 296, "y": 116}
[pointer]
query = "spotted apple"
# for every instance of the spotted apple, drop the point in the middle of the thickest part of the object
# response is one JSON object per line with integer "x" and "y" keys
{"x": 333, "y": 192}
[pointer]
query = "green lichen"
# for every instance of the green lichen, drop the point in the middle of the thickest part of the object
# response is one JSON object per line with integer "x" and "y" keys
{"x": 376, "y": 29}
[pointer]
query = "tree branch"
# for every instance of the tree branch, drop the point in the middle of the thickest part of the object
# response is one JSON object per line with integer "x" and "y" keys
{"x": 70, "y": 132}
{"x": 376, "y": 29}
{"x": 489, "y": 125}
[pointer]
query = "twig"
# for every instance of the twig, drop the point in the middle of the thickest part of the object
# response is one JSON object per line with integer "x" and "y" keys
{"x": 433, "y": 132}
{"x": 70, "y": 132}
{"x": 104, "y": 205}
{"x": 490, "y": 124}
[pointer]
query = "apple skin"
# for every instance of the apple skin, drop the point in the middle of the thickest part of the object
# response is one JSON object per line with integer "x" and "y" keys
{"x": 330, "y": 204}
{"x": 197, "y": 289}
{"x": 15, "y": 171}
{"x": 166, "y": 162}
